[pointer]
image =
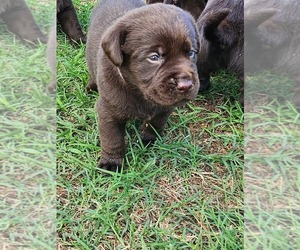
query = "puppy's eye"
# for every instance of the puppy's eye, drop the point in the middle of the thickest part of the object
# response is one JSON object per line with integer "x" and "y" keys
{"x": 192, "y": 54}
{"x": 154, "y": 57}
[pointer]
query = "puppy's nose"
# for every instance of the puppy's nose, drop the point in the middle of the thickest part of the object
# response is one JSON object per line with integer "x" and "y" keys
{"x": 184, "y": 84}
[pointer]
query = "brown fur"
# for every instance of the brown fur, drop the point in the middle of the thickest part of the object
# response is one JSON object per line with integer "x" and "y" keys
{"x": 195, "y": 7}
{"x": 143, "y": 65}
{"x": 67, "y": 18}
{"x": 221, "y": 29}
{"x": 19, "y": 20}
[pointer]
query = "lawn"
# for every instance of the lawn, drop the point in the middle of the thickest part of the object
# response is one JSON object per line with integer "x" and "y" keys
{"x": 185, "y": 192}
{"x": 272, "y": 164}
{"x": 27, "y": 140}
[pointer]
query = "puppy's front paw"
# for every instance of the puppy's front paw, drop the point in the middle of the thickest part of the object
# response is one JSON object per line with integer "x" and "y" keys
{"x": 148, "y": 139}
{"x": 78, "y": 39}
{"x": 204, "y": 84}
{"x": 110, "y": 165}
{"x": 83, "y": 39}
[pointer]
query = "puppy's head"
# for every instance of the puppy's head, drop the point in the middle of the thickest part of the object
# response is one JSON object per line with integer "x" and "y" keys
{"x": 155, "y": 48}
{"x": 213, "y": 41}
{"x": 221, "y": 26}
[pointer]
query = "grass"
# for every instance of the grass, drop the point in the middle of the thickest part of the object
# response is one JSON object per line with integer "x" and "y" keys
{"x": 185, "y": 192}
{"x": 272, "y": 173}
{"x": 27, "y": 141}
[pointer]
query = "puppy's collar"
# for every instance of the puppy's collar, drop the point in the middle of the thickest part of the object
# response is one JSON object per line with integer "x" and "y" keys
{"x": 119, "y": 71}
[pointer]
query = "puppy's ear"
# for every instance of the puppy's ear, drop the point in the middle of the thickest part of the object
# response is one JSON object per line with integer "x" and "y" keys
{"x": 255, "y": 19}
{"x": 213, "y": 20}
{"x": 112, "y": 41}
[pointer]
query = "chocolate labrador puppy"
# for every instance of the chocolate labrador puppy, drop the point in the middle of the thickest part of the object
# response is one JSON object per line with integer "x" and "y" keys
{"x": 19, "y": 20}
{"x": 221, "y": 30}
{"x": 67, "y": 18}
{"x": 143, "y": 60}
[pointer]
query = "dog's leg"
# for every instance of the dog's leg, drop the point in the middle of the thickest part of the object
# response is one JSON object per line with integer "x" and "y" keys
{"x": 70, "y": 24}
{"x": 20, "y": 21}
{"x": 204, "y": 82}
{"x": 150, "y": 128}
{"x": 112, "y": 140}
{"x": 112, "y": 144}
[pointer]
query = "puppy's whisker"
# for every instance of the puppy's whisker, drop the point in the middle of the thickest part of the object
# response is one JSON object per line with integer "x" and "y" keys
{"x": 173, "y": 81}
{"x": 119, "y": 71}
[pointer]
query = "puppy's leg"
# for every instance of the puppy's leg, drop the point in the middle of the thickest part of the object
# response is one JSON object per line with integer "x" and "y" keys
{"x": 70, "y": 24}
{"x": 150, "y": 128}
{"x": 204, "y": 83}
{"x": 112, "y": 134}
{"x": 20, "y": 21}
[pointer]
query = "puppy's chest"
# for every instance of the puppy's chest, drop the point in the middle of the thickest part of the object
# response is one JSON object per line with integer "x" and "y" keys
{"x": 141, "y": 110}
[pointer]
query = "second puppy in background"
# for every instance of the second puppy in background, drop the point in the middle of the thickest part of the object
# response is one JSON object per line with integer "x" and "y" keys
{"x": 221, "y": 30}
{"x": 142, "y": 58}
